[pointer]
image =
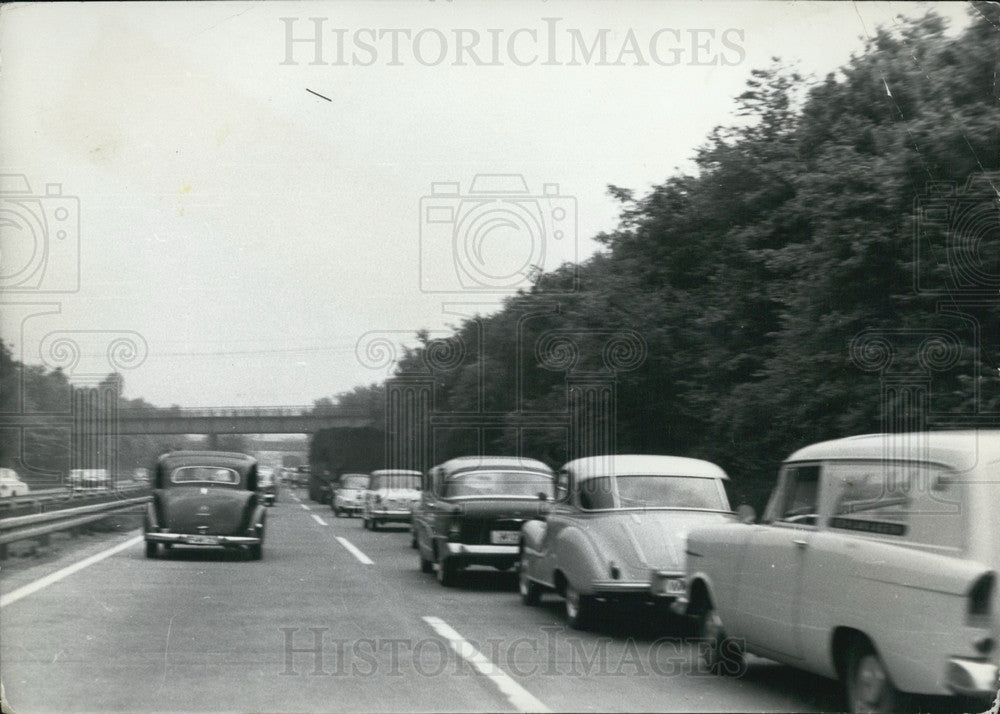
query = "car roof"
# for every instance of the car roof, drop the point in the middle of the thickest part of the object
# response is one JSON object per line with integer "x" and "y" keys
{"x": 232, "y": 459}
{"x": 461, "y": 464}
{"x": 960, "y": 449}
{"x": 390, "y": 472}
{"x": 643, "y": 465}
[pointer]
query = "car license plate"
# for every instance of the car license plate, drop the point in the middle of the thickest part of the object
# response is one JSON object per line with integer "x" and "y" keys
{"x": 202, "y": 540}
{"x": 505, "y": 537}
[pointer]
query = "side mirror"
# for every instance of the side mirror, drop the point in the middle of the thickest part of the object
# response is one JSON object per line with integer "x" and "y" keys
{"x": 746, "y": 514}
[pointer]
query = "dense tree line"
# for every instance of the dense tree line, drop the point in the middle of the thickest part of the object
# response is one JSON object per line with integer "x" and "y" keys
{"x": 839, "y": 237}
{"x": 43, "y": 455}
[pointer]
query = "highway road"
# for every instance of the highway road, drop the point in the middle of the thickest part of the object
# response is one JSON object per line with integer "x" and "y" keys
{"x": 337, "y": 618}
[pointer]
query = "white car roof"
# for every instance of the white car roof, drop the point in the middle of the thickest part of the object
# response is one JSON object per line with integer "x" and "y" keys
{"x": 959, "y": 450}
{"x": 389, "y": 472}
{"x": 643, "y": 465}
{"x": 482, "y": 463}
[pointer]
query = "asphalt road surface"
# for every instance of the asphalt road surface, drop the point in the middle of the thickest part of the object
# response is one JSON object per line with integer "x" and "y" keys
{"x": 337, "y": 618}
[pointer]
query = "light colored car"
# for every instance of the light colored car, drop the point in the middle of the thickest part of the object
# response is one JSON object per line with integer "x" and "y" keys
{"x": 472, "y": 509}
{"x": 349, "y": 497}
{"x": 875, "y": 562}
{"x": 616, "y": 530}
{"x": 89, "y": 479}
{"x": 267, "y": 485}
{"x": 11, "y": 484}
{"x": 390, "y": 496}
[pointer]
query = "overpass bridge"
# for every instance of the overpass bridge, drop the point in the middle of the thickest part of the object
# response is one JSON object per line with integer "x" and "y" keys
{"x": 220, "y": 420}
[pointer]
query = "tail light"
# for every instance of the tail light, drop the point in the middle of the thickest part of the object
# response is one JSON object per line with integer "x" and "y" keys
{"x": 981, "y": 599}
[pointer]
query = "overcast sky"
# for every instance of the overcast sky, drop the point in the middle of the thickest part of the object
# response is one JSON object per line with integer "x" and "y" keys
{"x": 244, "y": 203}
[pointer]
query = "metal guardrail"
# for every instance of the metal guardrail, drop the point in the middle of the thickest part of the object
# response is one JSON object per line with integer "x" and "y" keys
{"x": 38, "y": 525}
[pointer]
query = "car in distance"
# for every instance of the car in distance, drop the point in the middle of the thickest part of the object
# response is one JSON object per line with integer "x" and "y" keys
{"x": 390, "y": 496}
{"x": 205, "y": 498}
{"x": 616, "y": 531}
{"x": 267, "y": 485}
{"x": 349, "y": 497}
{"x": 89, "y": 479}
{"x": 471, "y": 511}
{"x": 11, "y": 484}
{"x": 875, "y": 563}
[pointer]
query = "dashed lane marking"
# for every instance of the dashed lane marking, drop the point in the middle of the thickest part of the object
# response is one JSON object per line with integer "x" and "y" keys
{"x": 353, "y": 550}
{"x": 55, "y": 577}
{"x": 319, "y": 520}
{"x": 517, "y": 695}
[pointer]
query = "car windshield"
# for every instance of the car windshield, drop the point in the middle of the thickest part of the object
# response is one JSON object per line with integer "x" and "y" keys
{"x": 499, "y": 483}
{"x": 204, "y": 474}
{"x": 652, "y": 491}
{"x": 395, "y": 481}
{"x": 356, "y": 482}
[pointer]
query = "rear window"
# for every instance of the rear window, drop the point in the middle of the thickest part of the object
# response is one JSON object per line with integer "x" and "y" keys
{"x": 652, "y": 491}
{"x": 498, "y": 483}
{"x": 395, "y": 481}
{"x": 357, "y": 482}
{"x": 204, "y": 474}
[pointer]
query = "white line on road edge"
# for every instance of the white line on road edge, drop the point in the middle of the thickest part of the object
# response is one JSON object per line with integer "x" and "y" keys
{"x": 319, "y": 520}
{"x": 517, "y": 695}
{"x": 352, "y": 549}
{"x": 304, "y": 506}
{"x": 65, "y": 572}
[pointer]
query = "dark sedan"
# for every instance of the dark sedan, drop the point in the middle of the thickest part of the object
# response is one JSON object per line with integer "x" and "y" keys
{"x": 205, "y": 498}
{"x": 471, "y": 512}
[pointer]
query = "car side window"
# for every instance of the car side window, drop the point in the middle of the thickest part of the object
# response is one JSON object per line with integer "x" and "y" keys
{"x": 797, "y": 500}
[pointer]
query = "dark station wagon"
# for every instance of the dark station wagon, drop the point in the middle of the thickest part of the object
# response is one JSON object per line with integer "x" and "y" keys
{"x": 471, "y": 511}
{"x": 205, "y": 498}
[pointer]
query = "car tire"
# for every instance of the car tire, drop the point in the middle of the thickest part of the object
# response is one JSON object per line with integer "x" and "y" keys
{"x": 374, "y": 525}
{"x": 531, "y": 593}
{"x": 256, "y": 551}
{"x": 413, "y": 540}
{"x": 151, "y": 548}
{"x": 868, "y": 687}
{"x": 720, "y": 654}
{"x": 446, "y": 572}
{"x": 364, "y": 523}
{"x": 579, "y": 608}
{"x": 426, "y": 566}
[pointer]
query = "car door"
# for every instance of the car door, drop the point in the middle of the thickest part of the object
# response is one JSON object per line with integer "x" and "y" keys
{"x": 770, "y": 586}
{"x": 556, "y": 519}
{"x": 424, "y": 512}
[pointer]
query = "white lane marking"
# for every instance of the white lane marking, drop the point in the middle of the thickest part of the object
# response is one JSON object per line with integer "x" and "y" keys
{"x": 517, "y": 695}
{"x": 55, "y": 577}
{"x": 304, "y": 506}
{"x": 352, "y": 549}
{"x": 319, "y": 520}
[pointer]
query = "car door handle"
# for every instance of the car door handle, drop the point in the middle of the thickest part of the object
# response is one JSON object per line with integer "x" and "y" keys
{"x": 801, "y": 543}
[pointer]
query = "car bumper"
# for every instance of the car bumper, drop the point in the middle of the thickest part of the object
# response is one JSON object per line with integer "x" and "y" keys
{"x": 197, "y": 539}
{"x": 969, "y": 678}
{"x": 351, "y": 507}
{"x": 397, "y": 516}
{"x": 494, "y": 555}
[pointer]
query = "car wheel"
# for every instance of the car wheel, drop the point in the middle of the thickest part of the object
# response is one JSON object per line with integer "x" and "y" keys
{"x": 256, "y": 551}
{"x": 374, "y": 525}
{"x": 868, "y": 686}
{"x": 446, "y": 572}
{"x": 531, "y": 593}
{"x": 364, "y": 523}
{"x": 721, "y": 654}
{"x": 151, "y": 549}
{"x": 426, "y": 566}
{"x": 579, "y": 608}
{"x": 413, "y": 539}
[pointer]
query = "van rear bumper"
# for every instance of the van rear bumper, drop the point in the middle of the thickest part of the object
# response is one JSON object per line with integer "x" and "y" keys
{"x": 969, "y": 678}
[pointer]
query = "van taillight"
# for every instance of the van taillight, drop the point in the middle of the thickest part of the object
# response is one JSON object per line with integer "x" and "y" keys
{"x": 981, "y": 596}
